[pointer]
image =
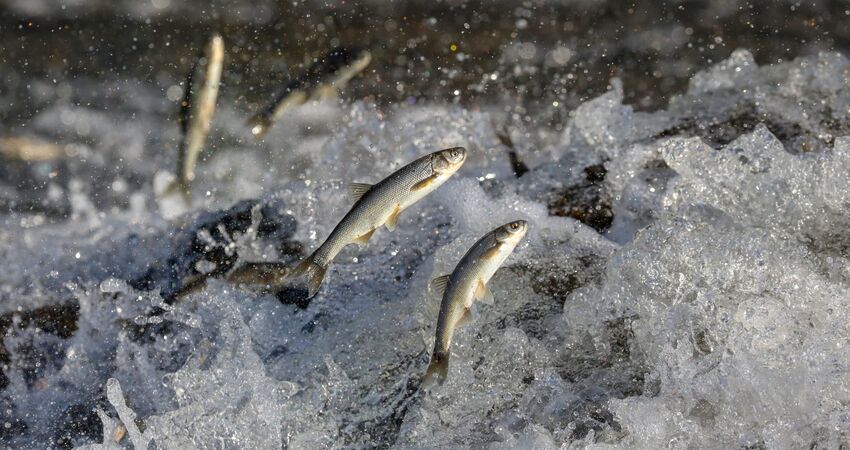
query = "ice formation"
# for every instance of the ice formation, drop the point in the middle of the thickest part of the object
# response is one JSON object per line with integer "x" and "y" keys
{"x": 707, "y": 311}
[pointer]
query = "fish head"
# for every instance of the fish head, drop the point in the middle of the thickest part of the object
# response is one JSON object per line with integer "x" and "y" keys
{"x": 512, "y": 233}
{"x": 361, "y": 59}
{"x": 448, "y": 161}
{"x": 259, "y": 125}
{"x": 216, "y": 46}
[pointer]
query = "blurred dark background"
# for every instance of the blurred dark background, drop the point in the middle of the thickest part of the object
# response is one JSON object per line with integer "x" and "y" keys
{"x": 531, "y": 53}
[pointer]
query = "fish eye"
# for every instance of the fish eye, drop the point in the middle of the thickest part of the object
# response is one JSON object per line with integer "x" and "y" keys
{"x": 514, "y": 226}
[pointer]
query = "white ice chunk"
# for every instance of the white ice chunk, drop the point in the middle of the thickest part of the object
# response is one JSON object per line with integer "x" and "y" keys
{"x": 127, "y": 415}
{"x": 739, "y": 66}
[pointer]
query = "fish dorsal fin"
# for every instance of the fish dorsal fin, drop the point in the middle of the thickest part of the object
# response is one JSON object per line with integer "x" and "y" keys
{"x": 358, "y": 190}
{"x": 438, "y": 284}
{"x": 392, "y": 221}
{"x": 425, "y": 183}
{"x": 465, "y": 318}
{"x": 363, "y": 240}
{"x": 483, "y": 294}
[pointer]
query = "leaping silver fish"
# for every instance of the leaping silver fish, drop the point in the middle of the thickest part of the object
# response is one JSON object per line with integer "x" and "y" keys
{"x": 197, "y": 109}
{"x": 467, "y": 283}
{"x": 331, "y": 72}
{"x": 380, "y": 204}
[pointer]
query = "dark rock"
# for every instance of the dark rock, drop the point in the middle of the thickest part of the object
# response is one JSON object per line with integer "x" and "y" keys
{"x": 178, "y": 272}
{"x": 588, "y": 201}
{"x": 79, "y": 423}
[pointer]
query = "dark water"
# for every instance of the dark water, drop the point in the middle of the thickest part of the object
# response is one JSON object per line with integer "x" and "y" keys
{"x": 471, "y": 52}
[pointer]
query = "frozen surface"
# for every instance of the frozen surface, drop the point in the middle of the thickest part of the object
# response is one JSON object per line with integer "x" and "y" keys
{"x": 684, "y": 283}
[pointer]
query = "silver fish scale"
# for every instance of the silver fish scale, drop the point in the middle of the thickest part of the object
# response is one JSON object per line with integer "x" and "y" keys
{"x": 462, "y": 283}
{"x": 372, "y": 210}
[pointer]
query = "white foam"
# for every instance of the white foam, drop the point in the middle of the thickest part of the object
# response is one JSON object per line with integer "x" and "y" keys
{"x": 713, "y": 312}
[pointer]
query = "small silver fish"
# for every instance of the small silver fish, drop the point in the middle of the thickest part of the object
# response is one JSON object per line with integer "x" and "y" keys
{"x": 262, "y": 277}
{"x": 380, "y": 204}
{"x": 29, "y": 149}
{"x": 467, "y": 283}
{"x": 197, "y": 109}
{"x": 326, "y": 75}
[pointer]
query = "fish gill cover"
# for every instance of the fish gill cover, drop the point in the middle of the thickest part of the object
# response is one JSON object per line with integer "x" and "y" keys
{"x": 684, "y": 283}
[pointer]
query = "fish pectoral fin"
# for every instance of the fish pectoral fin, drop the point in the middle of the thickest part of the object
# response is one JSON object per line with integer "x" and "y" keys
{"x": 363, "y": 240}
{"x": 425, "y": 183}
{"x": 438, "y": 284}
{"x": 465, "y": 318}
{"x": 392, "y": 221}
{"x": 358, "y": 190}
{"x": 483, "y": 294}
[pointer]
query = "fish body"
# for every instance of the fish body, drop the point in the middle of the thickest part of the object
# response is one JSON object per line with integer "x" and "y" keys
{"x": 197, "y": 109}
{"x": 330, "y": 73}
{"x": 380, "y": 204}
{"x": 466, "y": 284}
{"x": 29, "y": 149}
{"x": 263, "y": 277}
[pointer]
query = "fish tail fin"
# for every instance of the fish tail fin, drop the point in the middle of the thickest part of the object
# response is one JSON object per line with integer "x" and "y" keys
{"x": 185, "y": 190}
{"x": 314, "y": 273}
{"x": 437, "y": 370}
{"x": 178, "y": 187}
